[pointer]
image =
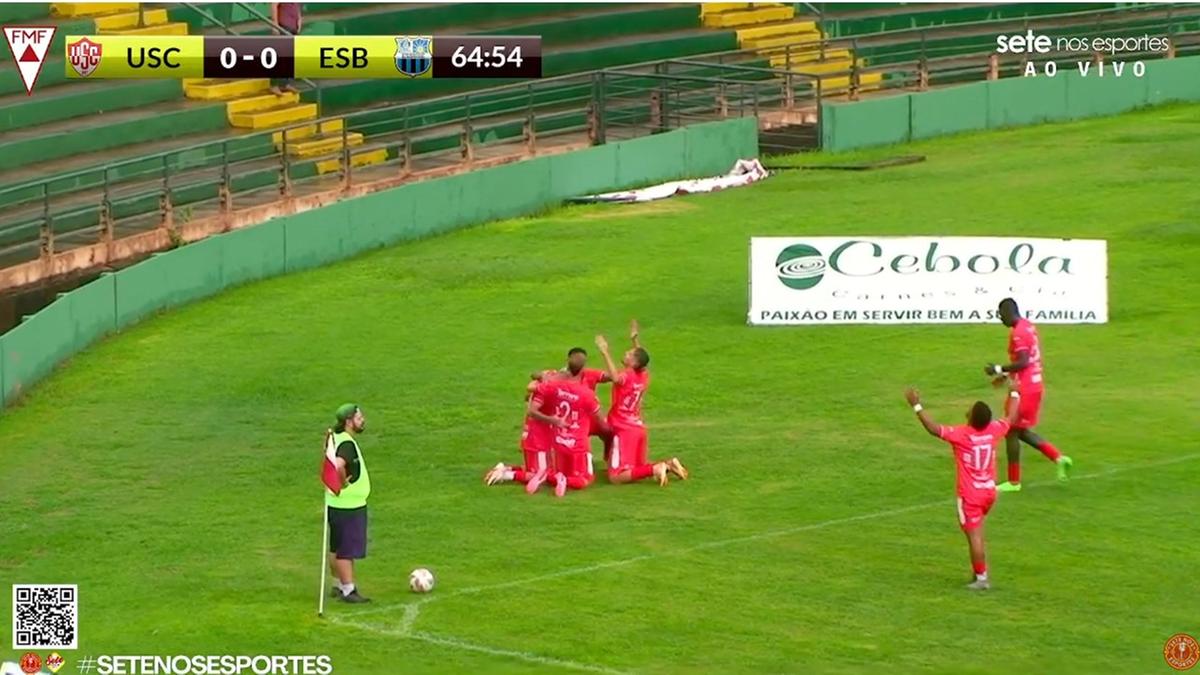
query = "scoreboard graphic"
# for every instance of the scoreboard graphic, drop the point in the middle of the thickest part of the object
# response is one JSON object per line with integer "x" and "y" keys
{"x": 303, "y": 56}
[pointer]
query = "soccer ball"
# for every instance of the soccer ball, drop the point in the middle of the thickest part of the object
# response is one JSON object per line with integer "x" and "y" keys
{"x": 421, "y": 580}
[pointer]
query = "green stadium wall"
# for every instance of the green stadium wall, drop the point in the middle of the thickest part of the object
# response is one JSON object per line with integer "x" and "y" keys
{"x": 31, "y": 350}
{"x": 1003, "y": 103}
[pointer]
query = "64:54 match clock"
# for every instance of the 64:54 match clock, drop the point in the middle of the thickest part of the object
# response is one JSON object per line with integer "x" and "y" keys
{"x": 491, "y": 56}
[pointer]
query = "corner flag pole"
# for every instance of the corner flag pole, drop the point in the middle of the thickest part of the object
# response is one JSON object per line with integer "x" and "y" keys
{"x": 324, "y": 563}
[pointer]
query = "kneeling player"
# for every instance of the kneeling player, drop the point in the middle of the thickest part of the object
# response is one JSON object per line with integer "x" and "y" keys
{"x": 974, "y": 446}
{"x": 536, "y": 439}
{"x": 627, "y": 462}
{"x": 577, "y": 370}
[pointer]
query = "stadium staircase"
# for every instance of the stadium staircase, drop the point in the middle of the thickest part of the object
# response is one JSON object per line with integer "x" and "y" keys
{"x": 776, "y": 32}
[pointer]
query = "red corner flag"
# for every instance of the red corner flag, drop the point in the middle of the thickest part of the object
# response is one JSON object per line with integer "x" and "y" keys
{"x": 329, "y": 471}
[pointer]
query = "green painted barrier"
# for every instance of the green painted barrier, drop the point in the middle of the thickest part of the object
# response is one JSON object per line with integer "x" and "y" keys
{"x": 947, "y": 111}
{"x": 879, "y": 121}
{"x": 93, "y": 310}
{"x": 344, "y": 229}
{"x": 1007, "y": 102}
{"x": 32, "y": 349}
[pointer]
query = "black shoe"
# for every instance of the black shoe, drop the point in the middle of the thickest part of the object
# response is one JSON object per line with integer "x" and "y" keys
{"x": 354, "y": 598}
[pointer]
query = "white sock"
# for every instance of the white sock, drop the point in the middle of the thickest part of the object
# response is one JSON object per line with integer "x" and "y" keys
{"x": 981, "y": 577}
{"x": 347, "y": 589}
{"x": 508, "y": 475}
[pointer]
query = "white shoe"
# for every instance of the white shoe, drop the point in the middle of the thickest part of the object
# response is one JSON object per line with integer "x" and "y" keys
{"x": 495, "y": 474}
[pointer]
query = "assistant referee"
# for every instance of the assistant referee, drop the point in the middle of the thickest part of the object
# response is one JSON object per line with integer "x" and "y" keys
{"x": 347, "y": 512}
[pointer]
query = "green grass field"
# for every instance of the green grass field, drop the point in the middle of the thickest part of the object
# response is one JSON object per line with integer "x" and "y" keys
{"x": 171, "y": 471}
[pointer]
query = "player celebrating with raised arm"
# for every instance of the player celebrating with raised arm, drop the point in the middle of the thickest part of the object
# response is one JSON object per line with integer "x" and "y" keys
{"x": 974, "y": 446}
{"x": 627, "y": 462}
{"x": 1025, "y": 371}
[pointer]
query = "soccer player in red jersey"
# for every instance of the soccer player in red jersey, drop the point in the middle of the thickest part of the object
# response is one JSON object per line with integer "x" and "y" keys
{"x": 1025, "y": 371}
{"x": 576, "y": 369}
{"x": 627, "y": 462}
{"x": 536, "y": 439}
{"x": 974, "y": 446}
{"x": 575, "y": 408}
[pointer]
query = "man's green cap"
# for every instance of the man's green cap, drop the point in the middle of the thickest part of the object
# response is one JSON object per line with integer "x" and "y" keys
{"x": 346, "y": 411}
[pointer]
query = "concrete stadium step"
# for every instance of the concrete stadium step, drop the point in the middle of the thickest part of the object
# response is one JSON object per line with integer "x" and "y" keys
{"x": 309, "y": 130}
{"x": 162, "y": 29}
{"x": 323, "y": 145}
{"x": 274, "y": 117}
{"x": 357, "y": 159}
{"x": 210, "y": 90}
{"x": 73, "y": 9}
{"x": 779, "y": 58}
{"x": 818, "y": 67}
{"x": 748, "y": 17}
{"x": 718, "y": 7}
{"x": 782, "y": 41}
{"x": 776, "y": 30}
{"x": 127, "y": 20}
{"x": 261, "y": 102}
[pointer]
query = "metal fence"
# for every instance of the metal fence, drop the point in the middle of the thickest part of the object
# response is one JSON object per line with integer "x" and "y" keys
{"x": 53, "y": 214}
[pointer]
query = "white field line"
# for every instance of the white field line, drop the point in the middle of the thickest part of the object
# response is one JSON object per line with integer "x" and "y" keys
{"x": 413, "y": 609}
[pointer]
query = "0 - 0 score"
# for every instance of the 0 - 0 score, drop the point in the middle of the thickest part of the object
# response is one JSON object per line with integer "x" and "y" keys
{"x": 268, "y": 58}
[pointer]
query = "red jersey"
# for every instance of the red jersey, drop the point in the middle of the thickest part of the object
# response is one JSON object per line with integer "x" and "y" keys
{"x": 590, "y": 377}
{"x": 1024, "y": 338}
{"x": 975, "y": 456}
{"x": 536, "y": 435}
{"x": 571, "y": 401}
{"x": 627, "y": 394}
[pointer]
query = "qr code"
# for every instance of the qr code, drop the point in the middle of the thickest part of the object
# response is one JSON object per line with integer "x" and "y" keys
{"x": 45, "y": 617}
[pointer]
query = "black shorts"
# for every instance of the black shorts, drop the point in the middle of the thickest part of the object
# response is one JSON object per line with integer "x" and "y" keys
{"x": 348, "y": 533}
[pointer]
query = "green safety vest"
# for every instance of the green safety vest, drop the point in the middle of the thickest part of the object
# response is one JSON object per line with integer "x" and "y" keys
{"x": 355, "y": 494}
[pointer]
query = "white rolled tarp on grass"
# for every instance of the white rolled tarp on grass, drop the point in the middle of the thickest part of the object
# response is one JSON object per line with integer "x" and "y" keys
{"x": 744, "y": 172}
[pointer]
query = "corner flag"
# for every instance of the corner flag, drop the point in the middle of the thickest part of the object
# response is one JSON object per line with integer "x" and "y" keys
{"x": 329, "y": 471}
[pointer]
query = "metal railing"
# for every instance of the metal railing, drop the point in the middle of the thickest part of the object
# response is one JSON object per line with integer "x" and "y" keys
{"x": 47, "y": 216}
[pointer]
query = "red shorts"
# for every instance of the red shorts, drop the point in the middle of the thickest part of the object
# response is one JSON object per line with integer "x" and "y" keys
{"x": 629, "y": 448}
{"x": 1028, "y": 409}
{"x": 537, "y": 460}
{"x": 573, "y": 462}
{"x": 972, "y": 510}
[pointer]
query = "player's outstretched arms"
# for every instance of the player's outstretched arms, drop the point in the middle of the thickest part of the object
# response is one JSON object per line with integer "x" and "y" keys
{"x": 914, "y": 399}
{"x": 633, "y": 334}
{"x": 997, "y": 370}
{"x": 613, "y": 374}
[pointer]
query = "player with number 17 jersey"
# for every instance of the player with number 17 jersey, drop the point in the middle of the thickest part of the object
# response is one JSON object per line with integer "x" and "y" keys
{"x": 628, "y": 461}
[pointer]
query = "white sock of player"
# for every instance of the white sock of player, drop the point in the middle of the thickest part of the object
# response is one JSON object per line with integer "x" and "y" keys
{"x": 981, "y": 577}
{"x": 508, "y": 475}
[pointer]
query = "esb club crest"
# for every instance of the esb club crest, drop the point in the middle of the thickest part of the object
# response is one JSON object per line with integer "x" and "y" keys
{"x": 85, "y": 56}
{"x": 414, "y": 55}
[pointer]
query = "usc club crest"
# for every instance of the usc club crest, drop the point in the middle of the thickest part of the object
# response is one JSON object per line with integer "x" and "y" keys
{"x": 414, "y": 55}
{"x": 85, "y": 56}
